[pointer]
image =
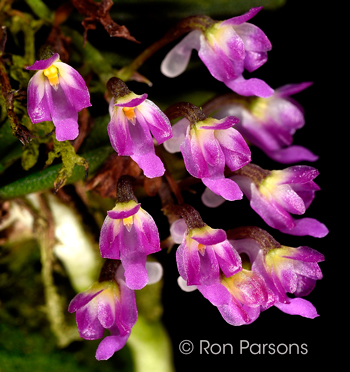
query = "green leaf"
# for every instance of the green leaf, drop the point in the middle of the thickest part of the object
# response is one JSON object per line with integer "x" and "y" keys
{"x": 70, "y": 159}
{"x": 40, "y": 9}
{"x": 29, "y": 26}
{"x": 7, "y": 140}
{"x": 30, "y": 155}
{"x": 17, "y": 71}
{"x": 45, "y": 179}
{"x": 40, "y": 135}
{"x": 93, "y": 57}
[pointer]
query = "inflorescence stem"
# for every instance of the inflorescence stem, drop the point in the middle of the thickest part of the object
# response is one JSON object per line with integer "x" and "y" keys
{"x": 198, "y": 22}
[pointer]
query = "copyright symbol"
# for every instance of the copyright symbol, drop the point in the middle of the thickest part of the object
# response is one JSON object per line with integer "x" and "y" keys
{"x": 186, "y": 347}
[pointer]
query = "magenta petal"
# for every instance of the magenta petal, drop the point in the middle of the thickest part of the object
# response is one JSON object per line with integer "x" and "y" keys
{"x": 193, "y": 156}
{"x": 209, "y": 271}
{"x": 143, "y": 150}
{"x": 135, "y": 272}
{"x": 287, "y": 277}
{"x": 256, "y": 45}
{"x": 128, "y": 310}
{"x": 107, "y": 240}
{"x": 106, "y": 312}
{"x": 298, "y": 306}
{"x": 305, "y": 286}
{"x": 37, "y": 104}
{"x": 81, "y": 299}
{"x": 73, "y": 86}
{"x": 224, "y": 187}
{"x": 221, "y": 124}
{"x": 43, "y": 63}
{"x": 118, "y": 131}
{"x": 191, "y": 266}
{"x": 305, "y": 254}
{"x": 229, "y": 260}
{"x": 124, "y": 212}
{"x": 147, "y": 232}
{"x": 110, "y": 345}
{"x": 155, "y": 120}
{"x": 271, "y": 281}
{"x": 237, "y": 314}
{"x": 290, "y": 89}
{"x": 308, "y": 269}
{"x": 217, "y": 294}
{"x": 250, "y": 87}
{"x": 235, "y": 149}
{"x": 197, "y": 267}
{"x": 227, "y": 39}
{"x": 66, "y": 129}
{"x": 88, "y": 324}
{"x": 292, "y": 154}
{"x": 64, "y": 115}
{"x": 299, "y": 174}
{"x": 150, "y": 163}
{"x": 208, "y": 237}
{"x": 210, "y": 157}
{"x": 133, "y": 101}
{"x": 306, "y": 226}
{"x": 254, "y": 60}
{"x": 133, "y": 258}
{"x": 270, "y": 211}
{"x": 181, "y": 260}
{"x": 217, "y": 62}
{"x": 242, "y": 18}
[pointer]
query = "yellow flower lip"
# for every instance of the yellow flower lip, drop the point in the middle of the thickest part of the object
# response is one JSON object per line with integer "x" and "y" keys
{"x": 129, "y": 113}
{"x": 128, "y": 222}
{"x": 52, "y": 74}
{"x": 201, "y": 248}
{"x": 259, "y": 107}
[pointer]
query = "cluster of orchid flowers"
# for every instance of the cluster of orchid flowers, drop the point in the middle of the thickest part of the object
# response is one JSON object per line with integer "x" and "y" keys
{"x": 241, "y": 272}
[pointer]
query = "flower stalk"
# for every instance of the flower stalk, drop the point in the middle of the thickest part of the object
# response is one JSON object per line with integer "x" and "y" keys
{"x": 199, "y": 22}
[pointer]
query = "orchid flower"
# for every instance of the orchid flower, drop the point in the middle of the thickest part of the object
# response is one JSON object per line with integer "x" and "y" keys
{"x": 57, "y": 92}
{"x": 239, "y": 298}
{"x": 207, "y": 146}
{"x": 270, "y": 123}
{"x": 133, "y": 119}
{"x": 276, "y": 195}
{"x": 204, "y": 252}
{"x": 226, "y": 48}
{"x": 109, "y": 304}
{"x": 284, "y": 270}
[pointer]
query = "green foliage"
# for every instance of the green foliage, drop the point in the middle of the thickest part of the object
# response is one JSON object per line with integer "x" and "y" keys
{"x": 26, "y": 342}
{"x": 70, "y": 159}
{"x": 41, "y": 135}
{"x": 41, "y": 10}
{"x": 43, "y": 180}
{"x": 92, "y": 56}
{"x": 7, "y": 140}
